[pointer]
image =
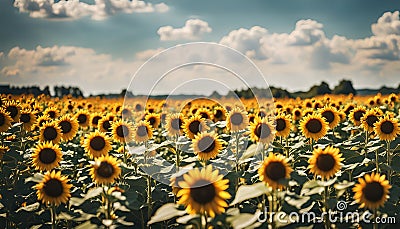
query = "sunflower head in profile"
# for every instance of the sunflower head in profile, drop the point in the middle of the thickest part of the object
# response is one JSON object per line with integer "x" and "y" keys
{"x": 142, "y": 131}
{"x": 370, "y": 118}
{"x": 262, "y": 131}
{"x": 28, "y": 119}
{"x": 356, "y": 114}
{"x": 387, "y": 128}
{"x": 174, "y": 124}
{"x": 331, "y": 115}
{"x": 325, "y": 162}
{"x": 154, "y": 119}
{"x": 5, "y": 120}
{"x": 97, "y": 144}
{"x": 206, "y": 145}
{"x": 14, "y": 109}
{"x": 105, "y": 170}
{"x": 274, "y": 170}
{"x": 237, "y": 120}
{"x": 314, "y": 126}
{"x": 83, "y": 118}
{"x": 203, "y": 191}
{"x": 50, "y": 132}
{"x": 122, "y": 131}
{"x": 219, "y": 113}
{"x": 69, "y": 127}
{"x": 46, "y": 156}
{"x": 52, "y": 112}
{"x": 205, "y": 113}
{"x": 95, "y": 118}
{"x": 282, "y": 125}
{"x": 105, "y": 123}
{"x": 393, "y": 98}
{"x": 53, "y": 189}
{"x": 372, "y": 191}
{"x": 194, "y": 125}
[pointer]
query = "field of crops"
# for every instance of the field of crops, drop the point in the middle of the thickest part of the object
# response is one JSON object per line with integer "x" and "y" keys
{"x": 326, "y": 162}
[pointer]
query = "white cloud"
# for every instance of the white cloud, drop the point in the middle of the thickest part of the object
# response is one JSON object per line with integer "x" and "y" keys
{"x": 146, "y": 54}
{"x": 193, "y": 29}
{"x": 75, "y": 9}
{"x": 388, "y": 23}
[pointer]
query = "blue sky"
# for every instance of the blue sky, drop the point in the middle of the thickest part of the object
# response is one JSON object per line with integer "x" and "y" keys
{"x": 99, "y": 44}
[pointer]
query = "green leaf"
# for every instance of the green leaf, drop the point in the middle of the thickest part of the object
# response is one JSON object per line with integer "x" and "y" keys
{"x": 37, "y": 177}
{"x": 297, "y": 202}
{"x": 250, "y": 152}
{"x": 91, "y": 193}
{"x": 246, "y": 192}
{"x": 30, "y": 208}
{"x": 86, "y": 225}
{"x": 165, "y": 212}
{"x": 245, "y": 220}
{"x": 344, "y": 185}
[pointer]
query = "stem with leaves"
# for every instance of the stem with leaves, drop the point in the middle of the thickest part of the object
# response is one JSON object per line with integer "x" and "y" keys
{"x": 389, "y": 159}
{"x": 53, "y": 216}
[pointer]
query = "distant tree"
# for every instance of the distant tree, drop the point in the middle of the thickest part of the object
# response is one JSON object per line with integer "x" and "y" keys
{"x": 344, "y": 87}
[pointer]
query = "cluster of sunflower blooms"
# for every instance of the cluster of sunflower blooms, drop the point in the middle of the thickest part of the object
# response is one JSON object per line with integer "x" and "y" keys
{"x": 296, "y": 141}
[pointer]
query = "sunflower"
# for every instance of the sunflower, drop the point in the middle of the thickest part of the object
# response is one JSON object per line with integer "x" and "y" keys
{"x": 83, "y": 118}
{"x": 330, "y": 114}
{"x": 356, "y": 114}
{"x": 387, "y": 128}
{"x": 297, "y": 113}
{"x": 274, "y": 170}
{"x": 308, "y": 111}
{"x": 314, "y": 126}
{"x": 283, "y": 125}
{"x": 325, "y": 162}
{"x": 50, "y": 131}
{"x": 348, "y": 108}
{"x": 205, "y": 113}
{"x": 370, "y": 118}
{"x": 206, "y": 145}
{"x": 203, "y": 191}
{"x": 14, "y": 110}
{"x": 194, "y": 125}
{"x": 105, "y": 123}
{"x": 46, "y": 156}
{"x": 372, "y": 191}
{"x": 154, "y": 119}
{"x": 52, "y": 112}
{"x": 122, "y": 131}
{"x": 219, "y": 114}
{"x": 142, "y": 131}
{"x": 97, "y": 144}
{"x": 3, "y": 150}
{"x": 94, "y": 119}
{"x": 393, "y": 98}
{"x": 5, "y": 120}
{"x": 262, "y": 131}
{"x": 126, "y": 113}
{"x": 105, "y": 170}
{"x": 237, "y": 120}
{"x": 41, "y": 120}
{"x": 251, "y": 117}
{"x": 27, "y": 118}
{"x": 174, "y": 124}
{"x": 53, "y": 189}
{"x": 262, "y": 113}
{"x": 69, "y": 127}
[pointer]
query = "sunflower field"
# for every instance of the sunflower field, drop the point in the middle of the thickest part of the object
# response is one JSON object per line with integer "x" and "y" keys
{"x": 326, "y": 162}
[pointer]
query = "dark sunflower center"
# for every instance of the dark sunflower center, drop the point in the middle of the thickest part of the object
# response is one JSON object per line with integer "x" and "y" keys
{"x": 349, "y": 108}
{"x": 13, "y": 111}
{"x": 52, "y": 114}
{"x": 262, "y": 114}
{"x": 371, "y": 120}
{"x": 195, "y": 127}
{"x": 314, "y": 126}
{"x": 204, "y": 115}
{"x": 95, "y": 120}
{"x": 50, "y": 133}
{"x": 176, "y": 123}
{"x": 152, "y": 120}
{"x": 203, "y": 193}
{"x": 297, "y": 113}
{"x": 280, "y": 124}
{"x": 325, "y": 162}
{"x": 105, "y": 170}
{"x": 25, "y": 118}
{"x": 47, "y": 156}
{"x": 82, "y": 118}
{"x": 98, "y": 143}
{"x": 2, "y": 119}
{"x": 236, "y": 119}
{"x": 358, "y": 115}
{"x": 275, "y": 171}
{"x": 66, "y": 127}
{"x": 373, "y": 191}
{"x": 387, "y": 127}
{"x": 122, "y": 131}
{"x": 53, "y": 188}
{"x": 206, "y": 144}
{"x": 262, "y": 131}
{"x": 138, "y": 107}
{"x": 70, "y": 107}
{"x": 142, "y": 131}
{"x": 329, "y": 116}
{"x": 41, "y": 122}
{"x": 219, "y": 114}
{"x": 251, "y": 119}
{"x": 125, "y": 112}
{"x": 107, "y": 125}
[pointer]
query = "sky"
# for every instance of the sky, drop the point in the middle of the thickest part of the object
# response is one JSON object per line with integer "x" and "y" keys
{"x": 99, "y": 45}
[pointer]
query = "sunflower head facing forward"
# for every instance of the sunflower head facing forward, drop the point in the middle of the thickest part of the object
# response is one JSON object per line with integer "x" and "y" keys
{"x": 203, "y": 191}
{"x": 50, "y": 132}
{"x": 387, "y": 128}
{"x": 282, "y": 125}
{"x": 325, "y": 162}
{"x": 194, "y": 125}
{"x": 372, "y": 191}
{"x": 143, "y": 131}
{"x": 53, "y": 189}
{"x": 5, "y": 120}
{"x": 97, "y": 144}
{"x": 122, "y": 131}
{"x": 237, "y": 120}
{"x": 274, "y": 170}
{"x": 314, "y": 126}
{"x": 46, "y": 156}
{"x": 69, "y": 127}
{"x": 262, "y": 131}
{"x": 207, "y": 145}
{"x": 105, "y": 170}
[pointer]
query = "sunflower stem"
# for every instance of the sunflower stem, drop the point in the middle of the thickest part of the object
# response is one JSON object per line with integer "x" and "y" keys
{"x": 53, "y": 216}
{"x": 237, "y": 161}
{"x": 377, "y": 161}
{"x": 149, "y": 197}
{"x": 204, "y": 215}
{"x": 389, "y": 159}
{"x": 326, "y": 207}
{"x": 375, "y": 225}
{"x": 273, "y": 209}
{"x": 177, "y": 162}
